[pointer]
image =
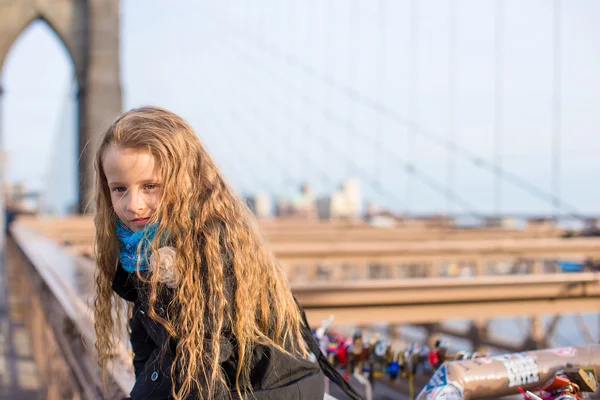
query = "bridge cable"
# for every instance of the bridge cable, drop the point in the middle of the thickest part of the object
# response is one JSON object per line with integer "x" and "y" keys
{"x": 498, "y": 101}
{"x": 58, "y": 135}
{"x": 232, "y": 141}
{"x": 241, "y": 153}
{"x": 428, "y": 181}
{"x": 308, "y": 42}
{"x": 556, "y": 105}
{"x": 444, "y": 142}
{"x": 310, "y": 130}
{"x": 281, "y": 163}
{"x": 380, "y": 74}
{"x": 451, "y": 108}
{"x": 308, "y": 161}
{"x": 307, "y": 128}
{"x": 288, "y": 181}
{"x": 353, "y": 43}
{"x": 409, "y": 169}
{"x": 413, "y": 97}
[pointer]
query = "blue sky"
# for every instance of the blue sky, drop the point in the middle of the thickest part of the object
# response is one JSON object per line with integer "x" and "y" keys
{"x": 271, "y": 125}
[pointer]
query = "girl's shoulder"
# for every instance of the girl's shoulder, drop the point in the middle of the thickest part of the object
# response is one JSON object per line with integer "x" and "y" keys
{"x": 125, "y": 284}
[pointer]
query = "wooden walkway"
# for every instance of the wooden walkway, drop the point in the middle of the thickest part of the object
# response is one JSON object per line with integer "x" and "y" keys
{"x": 19, "y": 377}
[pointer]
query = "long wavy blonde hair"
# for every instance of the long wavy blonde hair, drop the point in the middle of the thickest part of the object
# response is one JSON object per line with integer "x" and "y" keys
{"x": 216, "y": 239}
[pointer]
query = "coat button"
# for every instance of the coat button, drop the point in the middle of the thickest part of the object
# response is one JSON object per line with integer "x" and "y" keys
{"x": 154, "y": 376}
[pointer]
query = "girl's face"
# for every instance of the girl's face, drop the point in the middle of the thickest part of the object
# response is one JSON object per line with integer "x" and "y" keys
{"x": 134, "y": 184}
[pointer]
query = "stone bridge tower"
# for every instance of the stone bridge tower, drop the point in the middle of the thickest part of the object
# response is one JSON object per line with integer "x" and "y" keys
{"x": 89, "y": 29}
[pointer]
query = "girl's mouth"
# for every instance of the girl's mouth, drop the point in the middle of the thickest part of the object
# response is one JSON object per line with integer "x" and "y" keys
{"x": 140, "y": 221}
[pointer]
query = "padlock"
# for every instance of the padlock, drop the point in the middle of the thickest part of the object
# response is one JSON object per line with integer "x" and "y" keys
{"x": 585, "y": 378}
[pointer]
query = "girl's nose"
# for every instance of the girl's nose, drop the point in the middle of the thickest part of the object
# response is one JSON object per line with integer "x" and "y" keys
{"x": 135, "y": 201}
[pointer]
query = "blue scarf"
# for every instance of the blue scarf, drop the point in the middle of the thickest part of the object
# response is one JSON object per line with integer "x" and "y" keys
{"x": 129, "y": 242}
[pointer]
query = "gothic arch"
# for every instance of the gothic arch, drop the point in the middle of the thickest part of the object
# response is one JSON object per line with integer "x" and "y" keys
{"x": 89, "y": 29}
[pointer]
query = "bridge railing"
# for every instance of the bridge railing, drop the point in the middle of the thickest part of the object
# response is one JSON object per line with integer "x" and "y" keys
{"x": 343, "y": 252}
{"x": 55, "y": 291}
{"x": 55, "y": 296}
{"x": 60, "y": 288}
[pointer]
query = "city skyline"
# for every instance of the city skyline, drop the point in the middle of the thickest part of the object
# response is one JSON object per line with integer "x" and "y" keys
{"x": 174, "y": 62}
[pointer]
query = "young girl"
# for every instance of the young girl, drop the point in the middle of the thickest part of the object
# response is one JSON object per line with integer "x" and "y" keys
{"x": 213, "y": 316}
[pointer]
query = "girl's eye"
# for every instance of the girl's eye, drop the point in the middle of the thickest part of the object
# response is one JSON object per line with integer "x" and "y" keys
{"x": 119, "y": 189}
{"x": 150, "y": 186}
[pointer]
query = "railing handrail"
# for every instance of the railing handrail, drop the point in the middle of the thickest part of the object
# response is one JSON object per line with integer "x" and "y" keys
{"x": 45, "y": 256}
{"x": 471, "y": 281}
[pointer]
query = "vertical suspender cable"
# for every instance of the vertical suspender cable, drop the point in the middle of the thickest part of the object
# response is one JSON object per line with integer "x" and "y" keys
{"x": 452, "y": 37}
{"x": 556, "y": 107}
{"x": 329, "y": 57}
{"x": 380, "y": 76}
{"x": 498, "y": 102}
{"x": 412, "y": 100}
{"x": 352, "y": 60}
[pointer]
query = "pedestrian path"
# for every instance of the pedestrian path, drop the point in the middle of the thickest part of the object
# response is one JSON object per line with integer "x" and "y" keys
{"x": 18, "y": 371}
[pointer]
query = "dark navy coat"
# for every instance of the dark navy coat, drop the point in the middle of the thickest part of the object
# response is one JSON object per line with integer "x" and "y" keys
{"x": 274, "y": 375}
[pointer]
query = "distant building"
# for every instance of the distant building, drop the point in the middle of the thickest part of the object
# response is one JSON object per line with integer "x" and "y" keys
{"x": 15, "y": 196}
{"x": 304, "y": 205}
{"x": 300, "y": 206}
{"x": 342, "y": 204}
{"x": 283, "y": 207}
{"x": 324, "y": 207}
{"x": 383, "y": 221}
{"x": 260, "y": 205}
{"x": 18, "y": 199}
{"x": 591, "y": 223}
{"x": 371, "y": 210}
{"x": 351, "y": 194}
{"x": 540, "y": 223}
{"x": 380, "y": 218}
{"x": 499, "y": 222}
{"x": 431, "y": 221}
